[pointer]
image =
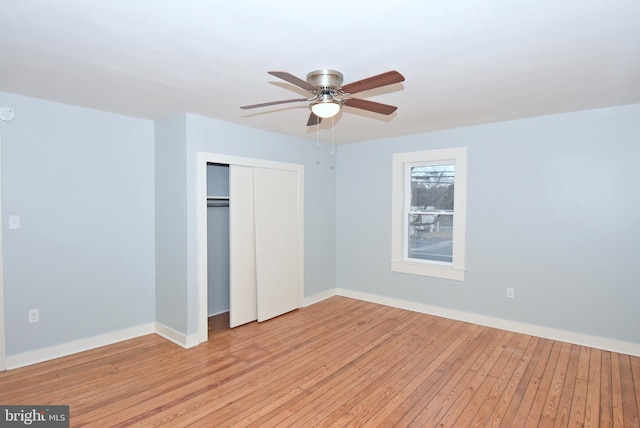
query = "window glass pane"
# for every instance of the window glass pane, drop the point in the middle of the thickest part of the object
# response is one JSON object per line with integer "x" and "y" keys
{"x": 431, "y": 237}
{"x": 431, "y": 212}
{"x": 432, "y": 187}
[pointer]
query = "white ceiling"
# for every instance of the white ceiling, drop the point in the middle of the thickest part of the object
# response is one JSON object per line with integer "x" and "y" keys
{"x": 465, "y": 61}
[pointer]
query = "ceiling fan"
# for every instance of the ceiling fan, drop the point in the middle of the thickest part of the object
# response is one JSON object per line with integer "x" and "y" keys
{"x": 328, "y": 94}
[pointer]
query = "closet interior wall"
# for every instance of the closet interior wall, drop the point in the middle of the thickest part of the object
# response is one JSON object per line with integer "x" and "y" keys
{"x": 217, "y": 239}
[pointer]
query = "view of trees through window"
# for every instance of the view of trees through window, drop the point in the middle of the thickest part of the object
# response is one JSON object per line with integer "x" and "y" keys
{"x": 431, "y": 212}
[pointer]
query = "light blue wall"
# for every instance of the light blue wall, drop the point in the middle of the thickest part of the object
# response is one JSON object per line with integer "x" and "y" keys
{"x": 82, "y": 182}
{"x": 553, "y": 211}
{"x": 171, "y": 223}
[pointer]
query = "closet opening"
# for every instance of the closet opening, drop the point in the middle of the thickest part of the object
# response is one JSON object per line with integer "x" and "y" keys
{"x": 218, "y": 281}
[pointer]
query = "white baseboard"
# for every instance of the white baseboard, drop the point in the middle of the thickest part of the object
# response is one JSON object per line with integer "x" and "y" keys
{"x": 319, "y": 297}
{"x": 186, "y": 341}
{"x": 224, "y": 311}
{"x": 68, "y": 348}
{"x": 598, "y": 342}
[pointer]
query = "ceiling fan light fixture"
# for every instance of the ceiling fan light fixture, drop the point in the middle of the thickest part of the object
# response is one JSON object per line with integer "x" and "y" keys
{"x": 327, "y": 106}
{"x": 325, "y": 109}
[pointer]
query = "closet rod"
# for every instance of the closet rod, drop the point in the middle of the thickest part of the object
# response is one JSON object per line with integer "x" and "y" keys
{"x": 217, "y": 201}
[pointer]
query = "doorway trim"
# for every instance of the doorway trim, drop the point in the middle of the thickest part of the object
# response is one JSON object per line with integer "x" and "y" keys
{"x": 204, "y": 158}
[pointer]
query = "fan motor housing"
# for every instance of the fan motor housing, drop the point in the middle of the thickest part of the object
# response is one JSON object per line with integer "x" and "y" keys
{"x": 325, "y": 78}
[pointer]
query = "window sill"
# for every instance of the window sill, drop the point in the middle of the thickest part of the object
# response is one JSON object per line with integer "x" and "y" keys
{"x": 446, "y": 272}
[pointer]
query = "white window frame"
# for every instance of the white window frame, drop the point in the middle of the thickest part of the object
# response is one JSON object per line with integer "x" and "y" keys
{"x": 401, "y": 193}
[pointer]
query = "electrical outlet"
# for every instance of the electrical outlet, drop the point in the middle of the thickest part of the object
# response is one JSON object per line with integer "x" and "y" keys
{"x": 510, "y": 293}
{"x": 34, "y": 315}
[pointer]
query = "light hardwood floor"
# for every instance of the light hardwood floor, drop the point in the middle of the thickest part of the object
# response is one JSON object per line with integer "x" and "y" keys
{"x": 339, "y": 363}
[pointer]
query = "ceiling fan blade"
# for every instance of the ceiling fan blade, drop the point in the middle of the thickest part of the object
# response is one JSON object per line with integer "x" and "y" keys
{"x": 273, "y": 103}
{"x": 383, "y": 79}
{"x": 293, "y": 79}
{"x": 314, "y": 120}
{"x": 370, "y": 106}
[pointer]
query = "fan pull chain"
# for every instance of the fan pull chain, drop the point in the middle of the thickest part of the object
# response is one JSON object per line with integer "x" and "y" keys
{"x": 317, "y": 145}
{"x": 332, "y": 144}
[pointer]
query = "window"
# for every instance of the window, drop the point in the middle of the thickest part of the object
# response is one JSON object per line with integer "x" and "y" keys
{"x": 428, "y": 213}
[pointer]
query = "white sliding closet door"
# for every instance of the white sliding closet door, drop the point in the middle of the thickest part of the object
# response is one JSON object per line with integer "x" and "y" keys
{"x": 242, "y": 270}
{"x": 265, "y": 234}
{"x": 278, "y": 258}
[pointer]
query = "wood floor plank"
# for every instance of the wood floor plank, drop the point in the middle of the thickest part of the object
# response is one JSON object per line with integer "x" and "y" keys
{"x": 531, "y": 391}
{"x": 606, "y": 404}
{"x": 485, "y": 398}
{"x": 505, "y": 397}
{"x": 541, "y": 354}
{"x": 507, "y": 375}
{"x": 629, "y": 394}
{"x": 552, "y": 403}
{"x": 566, "y": 398}
{"x": 616, "y": 392}
{"x": 579, "y": 403}
{"x": 635, "y": 374}
{"x": 338, "y": 363}
{"x": 594, "y": 388}
{"x": 535, "y": 412}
